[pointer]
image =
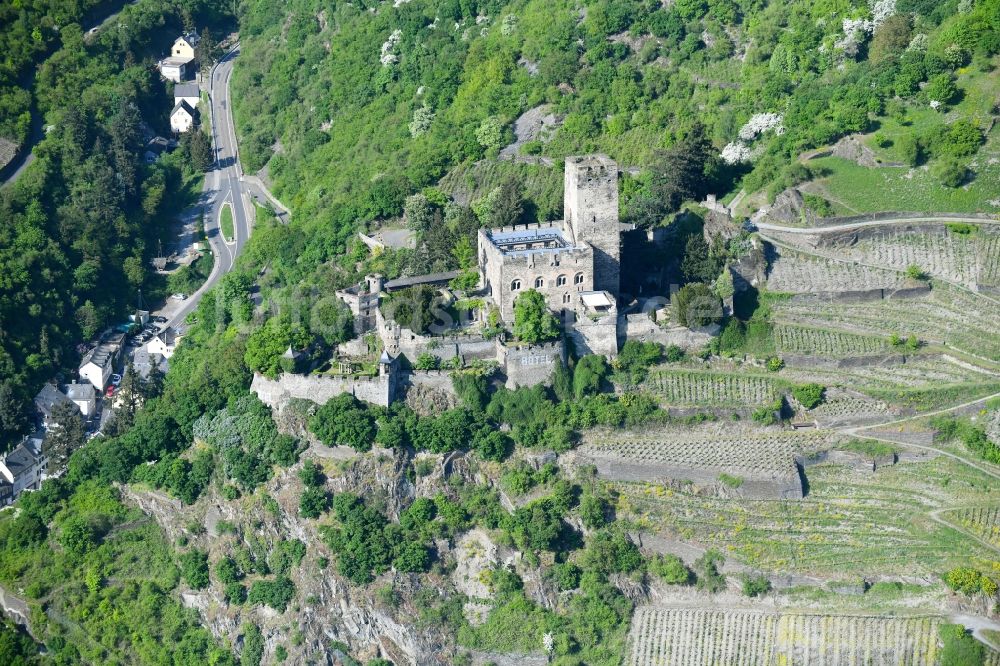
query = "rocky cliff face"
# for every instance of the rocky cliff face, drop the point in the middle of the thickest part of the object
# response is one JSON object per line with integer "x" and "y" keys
{"x": 325, "y": 608}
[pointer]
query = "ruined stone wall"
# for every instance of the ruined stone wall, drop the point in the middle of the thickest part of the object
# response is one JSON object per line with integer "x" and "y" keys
{"x": 594, "y": 336}
{"x": 638, "y": 326}
{"x": 527, "y": 365}
{"x": 550, "y": 267}
{"x": 591, "y": 213}
{"x": 276, "y": 393}
{"x": 779, "y": 485}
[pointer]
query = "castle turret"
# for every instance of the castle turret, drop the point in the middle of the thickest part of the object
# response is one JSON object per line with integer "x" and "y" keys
{"x": 591, "y": 213}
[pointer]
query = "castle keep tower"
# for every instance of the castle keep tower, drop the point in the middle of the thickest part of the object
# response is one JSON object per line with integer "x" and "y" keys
{"x": 591, "y": 214}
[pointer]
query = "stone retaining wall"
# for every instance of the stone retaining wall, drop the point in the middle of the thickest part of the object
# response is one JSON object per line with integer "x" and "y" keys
{"x": 276, "y": 393}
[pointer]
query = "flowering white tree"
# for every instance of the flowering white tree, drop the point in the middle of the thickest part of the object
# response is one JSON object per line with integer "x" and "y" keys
{"x": 739, "y": 151}
{"x": 388, "y": 57}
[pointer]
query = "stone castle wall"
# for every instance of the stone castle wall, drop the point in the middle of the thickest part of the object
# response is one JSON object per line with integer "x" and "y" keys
{"x": 379, "y": 390}
{"x": 594, "y": 336}
{"x": 527, "y": 365}
{"x": 638, "y": 326}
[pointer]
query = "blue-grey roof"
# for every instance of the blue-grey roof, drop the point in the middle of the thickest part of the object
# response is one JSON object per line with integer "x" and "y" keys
{"x": 187, "y": 90}
{"x": 529, "y": 240}
{"x": 48, "y": 398}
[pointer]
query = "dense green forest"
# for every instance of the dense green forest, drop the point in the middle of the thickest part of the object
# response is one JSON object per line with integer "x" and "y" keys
{"x": 82, "y": 223}
{"x": 404, "y": 94}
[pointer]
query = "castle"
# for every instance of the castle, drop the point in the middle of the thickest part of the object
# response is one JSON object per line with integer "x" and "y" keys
{"x": 574, "y": 263}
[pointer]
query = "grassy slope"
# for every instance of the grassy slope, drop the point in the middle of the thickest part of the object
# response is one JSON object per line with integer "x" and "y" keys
{"x": 854, "y": 189}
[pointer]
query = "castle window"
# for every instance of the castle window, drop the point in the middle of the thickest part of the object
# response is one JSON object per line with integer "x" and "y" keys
{"x": 561, "y": 280}
{"x": 515, "y": 285}
{"x": 566, "y": 298}
{"x": 578, "y": 279}
{"x": 555, "y": 260}
{"x": 539, "y": 282}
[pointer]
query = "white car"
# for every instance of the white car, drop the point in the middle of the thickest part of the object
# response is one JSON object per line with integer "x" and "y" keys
{"x": 179, "y": 297}
{"x": 116, "y": 380}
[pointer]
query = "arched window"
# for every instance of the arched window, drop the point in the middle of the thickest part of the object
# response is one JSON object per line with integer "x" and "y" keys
{"x": 561, "y": 280}
{"x": 566, "y": 298}
{"x": 539, "y": 282}
{"x": 578, "y": 279}
{"x": 515, "y": 285}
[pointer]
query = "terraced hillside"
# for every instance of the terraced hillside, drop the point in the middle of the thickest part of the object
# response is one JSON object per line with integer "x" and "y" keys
{"x": 798, "y": 272}
{"x": 699, "y": 637}
{"x": 790, "y": 338}
{"x": 969, "y": 256}
{"x": 753, "y": 463}
{"x": 946, "y": 315}
{"x": 707, "y": 388}
{"x": 851, "y": 522}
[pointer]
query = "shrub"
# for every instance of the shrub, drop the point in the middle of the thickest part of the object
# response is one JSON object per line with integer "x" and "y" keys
{"x": 810, "y": 395}
{"x": 588, "y": 375}
{"x": 755, "y": 585}
{"x": 594, "y": 511}
{"x": 427, "y": 361}
{"x": 696, "y": 306}
{"x": 950, "y": 172}
{"x": 730, "y": 480}
{"x": 344, "y": 420}
{"x": 532, "y": 320}
{"x": 635, "y": 359}
{"x": 566, "y": 575}
{"x": 313, "y": 503}
{"x": 194, "y": 568}
{"x": 706, "y": 568}
{"x": 311, "y": 474}
{"x": 774, "y": 364}
{"x": 673, "y": 354}
{"x": 914, "y": 272}
{"x": 671, "y": 569}
{"x": 277, "y": 593}
{"x": 253, "y": 645}
{"x": 959, "y": 648}
{"x": 970, "y": 581}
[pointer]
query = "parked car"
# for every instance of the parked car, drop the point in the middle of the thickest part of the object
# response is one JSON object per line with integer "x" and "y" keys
{"x": 116, "y": 380}
{"x": 110, "y": 391}
{"x": 159, "y": 319}
{"x": 178, "y": 296}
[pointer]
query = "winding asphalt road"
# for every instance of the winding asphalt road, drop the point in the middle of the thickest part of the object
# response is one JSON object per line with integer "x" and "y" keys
{"x": 224, "y": 185}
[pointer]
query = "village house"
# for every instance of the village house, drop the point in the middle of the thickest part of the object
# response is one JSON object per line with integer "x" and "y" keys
{"x": 83, "y": 396}
{"x": 163, "y": 343}
{"x": 184, "y": 45}
{"x": 22, "y": 469}
{"x": 48, "y": 398}
{"x": 182, "y": 118}
{"x": 100, "y": 362}
{"x": 175, "y": 67}
{"x": 187, "y": 92}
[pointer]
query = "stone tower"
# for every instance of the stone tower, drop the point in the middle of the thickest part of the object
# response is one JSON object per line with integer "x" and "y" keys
{"x": 591, "y": 212}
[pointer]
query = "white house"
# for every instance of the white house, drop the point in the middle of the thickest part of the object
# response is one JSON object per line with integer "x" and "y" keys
{"x": 184, "y": 46}
{"x": 182, "y": 118}
{"x": 174, "y": 69}
{"x": 22, "y": 469}
{"x": 98, "y": 364}
{"x": 83, "y": 396}
{"x": 163, "y": 344}
{"x": 187, "y": 92}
